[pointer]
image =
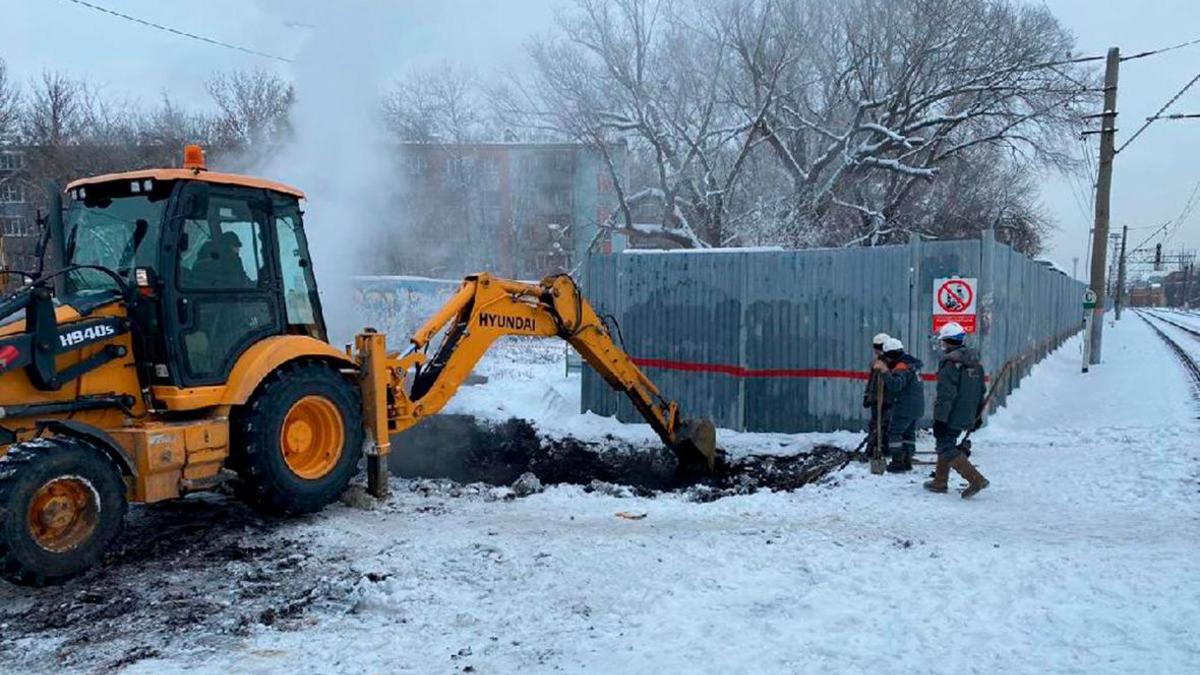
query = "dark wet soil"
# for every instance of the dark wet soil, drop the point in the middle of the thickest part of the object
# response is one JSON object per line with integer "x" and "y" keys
{"x": 187, "y": 574}
{"x": 463, "y": 449}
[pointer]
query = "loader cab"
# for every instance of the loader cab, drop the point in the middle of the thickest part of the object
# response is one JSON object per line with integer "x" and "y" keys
{"x": 220, "y": 263}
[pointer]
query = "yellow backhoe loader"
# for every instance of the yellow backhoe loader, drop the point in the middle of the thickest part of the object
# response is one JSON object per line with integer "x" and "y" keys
{"x": 180, "y": 344}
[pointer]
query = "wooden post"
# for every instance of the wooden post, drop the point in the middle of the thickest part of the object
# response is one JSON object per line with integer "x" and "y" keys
{"x": 1108, "y": 130}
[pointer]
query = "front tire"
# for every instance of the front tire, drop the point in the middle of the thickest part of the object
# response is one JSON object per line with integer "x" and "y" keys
{"x": 62, "y": 502}
{"x": 298, "y": 439}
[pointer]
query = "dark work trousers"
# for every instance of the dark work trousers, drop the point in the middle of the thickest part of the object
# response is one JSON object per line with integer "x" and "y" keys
{"x": 901, "y": 438}
{"x": 946, "y": 441}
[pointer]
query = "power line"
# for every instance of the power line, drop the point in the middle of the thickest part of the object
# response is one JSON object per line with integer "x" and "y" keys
{"x": 1160, "y": 228}
{"x": 1186, "y": 213}
{"x": 1161, "y": 110}
{"x": 176, "y": 31}
{"x": 1162, "y": 50}
{"x": 1188, "y": 207}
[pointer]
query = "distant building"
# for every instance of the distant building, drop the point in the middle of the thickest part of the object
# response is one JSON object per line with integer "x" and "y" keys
{"x": 1180, "y": 288}
{"x": 517, "y": 209}
{"x": 1147, "y": 295}
{"x": 18, "y": 213}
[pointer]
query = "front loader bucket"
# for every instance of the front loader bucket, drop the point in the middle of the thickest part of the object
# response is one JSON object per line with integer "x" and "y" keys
{"x": 696, "y": 447}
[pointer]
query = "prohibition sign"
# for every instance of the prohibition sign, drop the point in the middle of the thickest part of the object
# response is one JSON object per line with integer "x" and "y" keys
{"x": 955, "y": 296}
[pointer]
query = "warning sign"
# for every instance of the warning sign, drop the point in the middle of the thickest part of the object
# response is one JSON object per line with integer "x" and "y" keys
{"x": 954, "y": 300}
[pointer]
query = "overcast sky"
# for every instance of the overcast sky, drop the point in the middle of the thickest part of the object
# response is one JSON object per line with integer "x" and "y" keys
{"x": 1152, "y": 178}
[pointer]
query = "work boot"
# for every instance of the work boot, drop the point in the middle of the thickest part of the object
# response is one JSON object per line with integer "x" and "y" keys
{"x": 941, "y": 474}
{"x": 967, "y": 470}
{"x": 898, "y": 465}
{"x": 908, "y": 460}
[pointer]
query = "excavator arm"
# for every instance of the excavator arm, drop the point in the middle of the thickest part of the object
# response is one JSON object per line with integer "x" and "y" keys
{"x": 399, "y": 390}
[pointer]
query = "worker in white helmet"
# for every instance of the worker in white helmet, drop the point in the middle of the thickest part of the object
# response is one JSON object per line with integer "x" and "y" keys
{"x": 905, "y": 396}
{"x": 870, "y": 400}
{"x": 960, "y": 392}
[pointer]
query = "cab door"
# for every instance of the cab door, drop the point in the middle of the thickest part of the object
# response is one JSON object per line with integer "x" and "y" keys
{"x": 225, "y": 283}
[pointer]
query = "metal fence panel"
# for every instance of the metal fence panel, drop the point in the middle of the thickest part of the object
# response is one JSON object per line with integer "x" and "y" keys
{"x": 778, "y": 340}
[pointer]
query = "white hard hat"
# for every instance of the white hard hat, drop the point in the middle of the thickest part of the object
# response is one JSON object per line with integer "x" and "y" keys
{"x": 952, "y": 331}
{"x": 892, "y": 345}
{"x": 880, "y": 339}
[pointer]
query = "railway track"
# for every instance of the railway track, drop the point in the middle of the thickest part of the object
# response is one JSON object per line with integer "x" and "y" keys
{"x": 1187, "y": 329}
{"x": 1189, "y": 363}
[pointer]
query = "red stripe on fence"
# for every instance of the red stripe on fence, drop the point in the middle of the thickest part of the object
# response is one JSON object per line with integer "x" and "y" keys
{"x": 739, "y": 371}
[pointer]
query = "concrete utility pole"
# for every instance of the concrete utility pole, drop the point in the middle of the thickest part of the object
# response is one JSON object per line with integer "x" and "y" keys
{"x": 1120, "y": 299}
{"x": 1108, "y": 131}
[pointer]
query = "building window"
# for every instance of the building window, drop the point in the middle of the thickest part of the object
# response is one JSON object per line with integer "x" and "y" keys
{"x": 418, "y": 164}
{"x": 560, "y": 200}
{"x": 14, "y": 227}
{"x": 489, "y": 173}
{"x": 458, "y": 169}
{"x": 11, "y": 161}
{"x": 12, "y": 193}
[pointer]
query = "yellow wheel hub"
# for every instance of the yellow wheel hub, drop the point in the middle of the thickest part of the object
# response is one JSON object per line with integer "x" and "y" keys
{"x": 64, "y": 513}
{"x": 312, "y": 437}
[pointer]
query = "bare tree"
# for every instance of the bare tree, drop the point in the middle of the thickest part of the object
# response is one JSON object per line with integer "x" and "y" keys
{"x": 442, "y": 104}
{"x": 804, "y": 122}
{"x": 253, "y": 107}
{"x": 635, "y": 72}
{"x": 172, "y": 126}
{"x": 891, "y": 91}
{"x": 53, "y": 114}
{"x": 10, "y": 102}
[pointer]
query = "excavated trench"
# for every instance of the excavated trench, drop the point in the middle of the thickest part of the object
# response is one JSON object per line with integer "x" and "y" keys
{"x": 463, "y": 449}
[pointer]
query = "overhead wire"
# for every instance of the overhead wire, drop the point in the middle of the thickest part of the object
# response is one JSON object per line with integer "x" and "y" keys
{"x": 1188, "y": 207}
{"x": 181, "y": 33}
{"x": 1161, "y": 50}
{"x": 1152, "y": 119}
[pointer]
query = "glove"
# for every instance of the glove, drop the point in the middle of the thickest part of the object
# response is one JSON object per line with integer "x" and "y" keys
{"x": 978, "y": 423}
{"x": 867, "y": 403}
{"x": 940, "y": 429}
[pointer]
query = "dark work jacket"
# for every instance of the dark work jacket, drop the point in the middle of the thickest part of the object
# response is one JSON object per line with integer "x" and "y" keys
{"x": 904, "y": 392}
{"x": 960, "y": 388}
{"x": 869, "y": 394}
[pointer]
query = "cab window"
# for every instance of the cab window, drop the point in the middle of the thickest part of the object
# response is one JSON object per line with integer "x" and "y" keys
{"x": 226, "y": 250}
{"x": 114, "y": 225}
{"x": 299, "y": 284}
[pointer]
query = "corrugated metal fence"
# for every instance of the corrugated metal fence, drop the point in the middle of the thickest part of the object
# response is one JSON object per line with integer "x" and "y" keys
{"x": 779, "y": 340}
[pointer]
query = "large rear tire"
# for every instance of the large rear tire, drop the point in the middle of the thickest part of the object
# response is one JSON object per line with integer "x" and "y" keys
{"x": 62, "y": 502}
{"x": 298, "y": 439}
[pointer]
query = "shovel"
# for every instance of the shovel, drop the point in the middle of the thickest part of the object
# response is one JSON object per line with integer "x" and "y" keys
{"x": 878, "y": 463}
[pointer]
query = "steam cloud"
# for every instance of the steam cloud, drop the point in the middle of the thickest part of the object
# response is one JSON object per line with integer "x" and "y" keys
{"x": 338, "y": 155}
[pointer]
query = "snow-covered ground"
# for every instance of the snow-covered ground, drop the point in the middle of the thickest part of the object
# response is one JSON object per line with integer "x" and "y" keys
{"x": 1081, "y": 557}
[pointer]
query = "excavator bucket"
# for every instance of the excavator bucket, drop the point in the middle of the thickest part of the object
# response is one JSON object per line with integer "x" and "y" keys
{"x": 696, "y": 446}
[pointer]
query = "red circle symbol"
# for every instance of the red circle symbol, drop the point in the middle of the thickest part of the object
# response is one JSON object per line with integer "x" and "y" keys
{"x": 955, "y": 296}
